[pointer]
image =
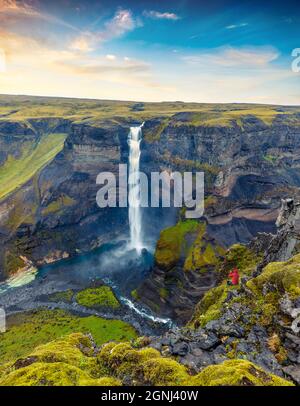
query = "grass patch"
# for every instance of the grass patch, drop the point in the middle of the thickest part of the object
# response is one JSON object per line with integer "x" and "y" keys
{"x": 28, "y": 330}
{"x": 15, "y": 172}
{"x": 102, "y": 296}
{"x": 95, "y": 112}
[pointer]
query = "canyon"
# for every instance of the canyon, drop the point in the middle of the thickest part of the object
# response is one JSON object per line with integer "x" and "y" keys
{"x": 54, "y": 238}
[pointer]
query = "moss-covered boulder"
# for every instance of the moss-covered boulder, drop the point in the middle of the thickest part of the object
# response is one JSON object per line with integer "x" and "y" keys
{"x": 210, "y": 306}
{"x": 143, "y": 366}
{"x": 74, "y": 361}
{"x": 54, "y": 374}
{"x": 101, "y": 296}
{"x": 147, "y": 367}
{"x": 65, "y": 362}
{"x": 172, "y": 243}
{"x": 237, "y": 373}
{"x": 203, "y": 253}
{"x": 280, "y": 277}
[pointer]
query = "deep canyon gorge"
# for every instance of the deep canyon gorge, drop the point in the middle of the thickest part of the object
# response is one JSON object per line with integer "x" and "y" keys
{"x": 162, "y": 275}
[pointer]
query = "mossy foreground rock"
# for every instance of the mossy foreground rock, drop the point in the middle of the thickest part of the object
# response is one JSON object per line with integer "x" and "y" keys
{"x": 210, "y": 306}
{"x": 54, "y": 374}
{"x": 75, "y": 361}
{"x": 237, "y": 373}
{"x": 66, "y": 362}
{"x": 147, "y": 367}
{"x": 281, "y": 277}
{"x": 264, "y": 291}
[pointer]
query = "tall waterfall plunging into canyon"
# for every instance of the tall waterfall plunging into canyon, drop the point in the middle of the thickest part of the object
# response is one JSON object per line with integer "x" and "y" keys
{"x": 134, "y": 212}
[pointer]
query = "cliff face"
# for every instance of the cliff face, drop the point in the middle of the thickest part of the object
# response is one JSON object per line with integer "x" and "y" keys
{"x": 249, "y": 166}
{"x": 258, "y": 319}
{"x": 54, "y": 214}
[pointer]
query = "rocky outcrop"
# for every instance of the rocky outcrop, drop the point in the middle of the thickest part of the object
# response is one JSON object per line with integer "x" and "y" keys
{"x": 257, "y": 321}
{"x": 77, "y": 361}
{"x": 286, "y": 242}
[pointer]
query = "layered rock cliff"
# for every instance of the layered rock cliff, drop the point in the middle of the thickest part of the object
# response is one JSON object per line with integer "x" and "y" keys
{"x": 250, "y": 163}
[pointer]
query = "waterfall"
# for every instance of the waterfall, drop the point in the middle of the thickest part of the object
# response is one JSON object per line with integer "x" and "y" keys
{"x": 134, "y": 211}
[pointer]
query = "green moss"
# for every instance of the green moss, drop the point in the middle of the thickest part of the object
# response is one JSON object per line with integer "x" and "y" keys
{"x": 163, "y": 293}
{"x": 153, "y": 134}
{"x": 72, "y": 360}
{"x": 276, "y": 280}
{"x": 102, "y": 296}
{"x": 242, "y": 257}
{"x": 58, "y": 205}
{"x": 172, "y": 242}
{"x": 144, "y": 365}
{"x": 202, "y": 253}
{"x": 210, "y": 306}
{"x": 15, "y": 172}
{"x": 54, "y": 374}
{"x": 236, "y": 373}
{"x": 135, "y": 295}
{"x": 283, "y": 276}
{"x": 122, "y": 360}
{"x": 28, "y": 330}
{"x": 164, "y": 372}
{"x": 65, "y": 362}
{"x": 147, "y": 367}
{"x": 23, "y": 211}
{"x": 64, "y": 296}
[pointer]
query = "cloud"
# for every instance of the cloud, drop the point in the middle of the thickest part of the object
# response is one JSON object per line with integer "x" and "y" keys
{"x": 12, "y": 11}
{"x": 82, "y": 44}
{"x": 97, "y": 67}
{"x": 17, "y": 7}
{"x": 234, "y": 26}
{"x": 229, "y": 57}
{"x": 158, "y": 15}
{"x": 122, "y": 22}
{"x": 111, "y": 57}
{"x": 62, "y": 67}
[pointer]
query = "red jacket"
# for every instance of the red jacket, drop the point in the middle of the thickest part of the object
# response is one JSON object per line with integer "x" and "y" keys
{"x": 235, "y": 277}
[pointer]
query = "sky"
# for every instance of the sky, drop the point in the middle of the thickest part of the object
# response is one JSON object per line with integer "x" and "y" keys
{"x": 212, "y": 51}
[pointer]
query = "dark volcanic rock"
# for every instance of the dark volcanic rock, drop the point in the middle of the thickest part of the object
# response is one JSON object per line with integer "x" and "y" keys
{"x": 293, "y": 372}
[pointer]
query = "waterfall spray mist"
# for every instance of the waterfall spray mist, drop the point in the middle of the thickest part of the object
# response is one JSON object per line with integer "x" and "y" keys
{"x": 134, "y": 212}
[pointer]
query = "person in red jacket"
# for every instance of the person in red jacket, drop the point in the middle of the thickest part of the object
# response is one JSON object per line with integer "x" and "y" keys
{"x": 234, "y": 276}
